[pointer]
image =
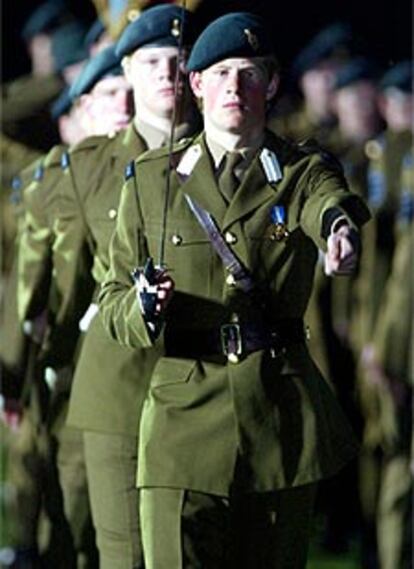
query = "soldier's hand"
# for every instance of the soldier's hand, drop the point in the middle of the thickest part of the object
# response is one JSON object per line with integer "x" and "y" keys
{"x": 342, "y": 254}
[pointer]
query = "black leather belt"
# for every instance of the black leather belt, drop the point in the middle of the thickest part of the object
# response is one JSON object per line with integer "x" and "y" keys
{"x": 233, "y": 339}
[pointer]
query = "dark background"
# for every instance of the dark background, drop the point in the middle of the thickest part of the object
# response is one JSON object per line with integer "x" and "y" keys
{"x": 385, "y": 26}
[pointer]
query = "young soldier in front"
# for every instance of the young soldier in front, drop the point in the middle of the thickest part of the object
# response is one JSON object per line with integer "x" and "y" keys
{"x": 238, "y": 425}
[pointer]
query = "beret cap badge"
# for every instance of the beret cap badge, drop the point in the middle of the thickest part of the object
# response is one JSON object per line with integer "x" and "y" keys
{"x": 175, "y": 28}
{"x": 252, "y": 39}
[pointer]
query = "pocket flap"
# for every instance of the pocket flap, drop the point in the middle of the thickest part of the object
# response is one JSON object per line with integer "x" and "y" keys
{"x": 172, "y": 370}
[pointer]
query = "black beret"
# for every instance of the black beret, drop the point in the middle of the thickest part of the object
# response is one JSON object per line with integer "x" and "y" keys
{"x": 399, "y": 77}
{"x": 68, "y": 45}
{"x": 333, "y": 41}
{"x": 94, "y": 33}
{"x": 160, "y": 25}
{"x": 102, "y": 64}
{"x": 238, "y": 34}
{"x": 61, "y": 105}
{"x": 44, "y": 18}
{"x": 358, "y": 69}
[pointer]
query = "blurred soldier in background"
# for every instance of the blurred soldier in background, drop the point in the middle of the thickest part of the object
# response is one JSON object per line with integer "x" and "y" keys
{"x": 358, "y": 120}
{"x": 99, "y": 109}
{"x": 55, "y": 45}
{"x": 314, "y": 72}
{"x": 383, "y": 384}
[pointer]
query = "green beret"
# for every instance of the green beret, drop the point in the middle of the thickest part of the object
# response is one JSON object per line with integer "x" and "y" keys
{"x": 358, "y": 69}
{"x": 334, "y": 41}
{"x": 68, "y": 45}
{"x": 61, "y": 105}
{"x": 161, "y": 26}
{"x": 101, "y": 65}
{"x": 45, "y": 18}
{"x": 238, "y": 34}
{"x": 399, "y": 77}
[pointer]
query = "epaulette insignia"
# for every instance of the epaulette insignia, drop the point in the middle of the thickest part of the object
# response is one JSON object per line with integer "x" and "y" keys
{"x": 189, "y": 160}
{"x": 64, "y": 160}
{"x": 16, "y": 194}
{"x": 16, "y": 183}
{"x": 271, "y": 166}
{"x": 129, "y": 170}
{"x": 38, "y": 173}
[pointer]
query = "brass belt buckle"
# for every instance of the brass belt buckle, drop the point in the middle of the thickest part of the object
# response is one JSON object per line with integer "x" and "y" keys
{"x": 231, "y": 342}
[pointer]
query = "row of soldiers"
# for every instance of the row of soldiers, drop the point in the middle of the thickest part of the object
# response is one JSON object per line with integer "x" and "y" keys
{"x": 73, "y": 446}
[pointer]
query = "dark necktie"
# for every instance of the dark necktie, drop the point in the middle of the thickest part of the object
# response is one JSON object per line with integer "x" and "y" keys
{"x": 228, "y": 180}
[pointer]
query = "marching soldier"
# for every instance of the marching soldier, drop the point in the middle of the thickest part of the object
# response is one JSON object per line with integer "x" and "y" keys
{"x": 57, "y": 443}
{"x": 238, "y": 425}
{"x": 55, "y": 45}
{"x": 87, "y": 214}
{"x": 314, "y": 70}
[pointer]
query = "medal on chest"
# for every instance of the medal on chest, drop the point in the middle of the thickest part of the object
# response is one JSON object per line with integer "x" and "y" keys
{"x": 278, "y": 230}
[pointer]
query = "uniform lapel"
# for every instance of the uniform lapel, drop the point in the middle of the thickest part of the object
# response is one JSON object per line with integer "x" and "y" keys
{"x": 201, "y": 185}
{"x": 255, "y": 189}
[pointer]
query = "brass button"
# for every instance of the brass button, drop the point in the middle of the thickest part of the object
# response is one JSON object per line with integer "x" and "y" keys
{"x": 112, "y": 213}
{"x": 176, "y": 240}
{"x": 230, "y": 280}
{"x": 230, "y": 238}
{"x": 133, "y": 15}
{"x": 233, "y": 358}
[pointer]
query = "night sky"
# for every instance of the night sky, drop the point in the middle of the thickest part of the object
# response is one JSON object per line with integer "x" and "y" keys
{"x": 385, "y": 26}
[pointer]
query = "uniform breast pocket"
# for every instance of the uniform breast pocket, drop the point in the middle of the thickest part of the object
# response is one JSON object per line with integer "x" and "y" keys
{"x": 188, "y": 254}
{"x": 103, "y": 225}
{"x": 170, "y": 371}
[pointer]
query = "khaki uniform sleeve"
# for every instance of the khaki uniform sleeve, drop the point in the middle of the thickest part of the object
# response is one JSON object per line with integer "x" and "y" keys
{"x": 34, "y": 260}
{"x": 72, "y": 284}
{"x": 326, "y": 189}
{"x": 117, "y": 300}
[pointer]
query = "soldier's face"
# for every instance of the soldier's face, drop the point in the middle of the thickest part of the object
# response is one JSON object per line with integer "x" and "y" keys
{"x": 397, "y": 108}
{"x": 357, "y": 111}
{"x": 234, "y": 93}
{"x": 107, "y": 108}
{"x": 151, "y": 73}
{"x": 317, "y": 87}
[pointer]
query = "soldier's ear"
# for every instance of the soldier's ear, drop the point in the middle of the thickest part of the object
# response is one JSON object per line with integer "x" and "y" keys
{"x": 196, "y": 83}
{"x": 272, "y": 87}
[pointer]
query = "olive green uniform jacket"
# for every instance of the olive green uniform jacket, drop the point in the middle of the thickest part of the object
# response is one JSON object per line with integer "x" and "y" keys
{"x": 386, "y": 154}
{"x": 13, "y": 342}
{"x": 201, "y": 415}
{"x": 110, "y": 381}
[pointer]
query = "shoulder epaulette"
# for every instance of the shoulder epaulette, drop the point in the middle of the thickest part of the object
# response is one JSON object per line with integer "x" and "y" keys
{"x": 16, "y": 182}
{"x": 39, "y": 172}
{"x": 164, "y": 151}
{"x": 53, "y": 157}
{"x": 129, "y": 170}
{"x": 64, "y": 160}
{"x": 16, "y": 187}
{"x": 88, "y": 143}
{"x": 311, "y": 146}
